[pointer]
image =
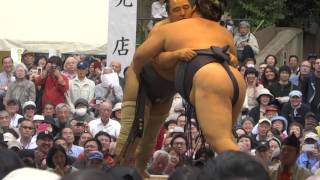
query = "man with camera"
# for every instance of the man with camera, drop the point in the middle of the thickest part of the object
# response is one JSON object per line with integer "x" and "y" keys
{"x": 55, "y": 83}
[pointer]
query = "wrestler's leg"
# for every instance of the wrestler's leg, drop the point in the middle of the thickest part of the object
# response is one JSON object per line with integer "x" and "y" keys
{"x": 211, "y": 93}
{"x": 158, "y": 114}
{"x": 127, "y": 113}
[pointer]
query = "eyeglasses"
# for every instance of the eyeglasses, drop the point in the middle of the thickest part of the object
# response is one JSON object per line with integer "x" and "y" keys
{"x": 27, "y": 127}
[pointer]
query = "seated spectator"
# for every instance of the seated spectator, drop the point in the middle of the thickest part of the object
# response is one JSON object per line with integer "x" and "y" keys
{"x": 280, "y": 123}
{"x": 301, "y": 78}
{"x": 70, "y": 67}
{"x": 283, "y": 87}
{"x": 239, "y": 131}
{"x": 264, "y": 97}
{"x": 78, "y": 128}
{"x": 264, "y": 126}
{"x": 179, "y": 141}
{"x": 296, "y": 129}
{"x": 95, "y": 72}
{"x": 263, "y": 153}
{"x": 55, "y": 83}
{"x": 44, "y": 142}
{"x": 104, "y": 123}
{"x": 82, "y": 110}
{"x": 62, "y": 115}
{"x": 288, "y": 169}
{"x": 274, "y": 144}
{"x": 295, "y": 110}
{"x": 22, "y": 89}
{"x": 109, "y": 88}
{"x": 116, "y": 112}
{"x": 84, "y": 137}
{"x": 89, "y": 146}
{"x": 309, "y": 151}
{"x": 181, "y": 120}
{"x": 12, "y": 107}
{"x": 95, "y": 161}
{"x": 247, "y": 125}
{"x": 73, "y": 150}
{"x": 4, "y": 121}
{"x": 269, "y": 77}
{"x": 245, "y": 143}
{"x": 28, "y": 110}
{"x": 80, "y": 86}
{"x": 57, "y": 161}
{"x": 116, "y": 66}
{"x": 310, "y": 121}
{"x": 246, "y": 42}
{"x": 253, "y": 87}
{"x": 271, "y": 60}
{"x": 293, "y": 63}
{"x": 26, "y": 131}
{"x": 174, "y": 160}
{"x": 159, "y": 162}
{"x": 262, "y": 67}
{"x": 6, "y": 77}
{"x": 48, "y": 109}
{"x": 271, "y": 111}
{"x": 105, "y": 140}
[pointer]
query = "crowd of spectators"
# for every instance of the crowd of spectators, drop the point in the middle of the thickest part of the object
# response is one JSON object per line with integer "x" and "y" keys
{"x": 65, "y": 115}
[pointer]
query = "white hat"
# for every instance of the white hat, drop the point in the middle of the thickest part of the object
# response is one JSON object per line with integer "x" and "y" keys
{"x": 117, "y": 107}
{"x": 38, "y": 117}
{"x": 29, "y": 103}
{"x": 311, "y": 135}
{"x": 264, "y": 91}
{"x": 264, "y": 120}
{"x": 30, "y": 173}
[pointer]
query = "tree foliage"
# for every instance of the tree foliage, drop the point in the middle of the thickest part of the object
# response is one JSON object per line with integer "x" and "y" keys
{"x": 293, "y": 13}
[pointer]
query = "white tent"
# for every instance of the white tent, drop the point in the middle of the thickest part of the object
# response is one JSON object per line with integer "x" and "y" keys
{"x": 69, "y": 26}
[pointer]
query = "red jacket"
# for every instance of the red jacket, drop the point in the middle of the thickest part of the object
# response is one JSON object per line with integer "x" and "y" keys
{"x": 54, "y": 89}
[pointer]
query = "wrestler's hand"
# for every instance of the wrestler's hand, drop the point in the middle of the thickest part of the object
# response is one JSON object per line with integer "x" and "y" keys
{"x": 185, "y": 54}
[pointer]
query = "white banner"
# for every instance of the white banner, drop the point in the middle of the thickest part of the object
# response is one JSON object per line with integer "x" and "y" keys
{"x": 122, "y": 31}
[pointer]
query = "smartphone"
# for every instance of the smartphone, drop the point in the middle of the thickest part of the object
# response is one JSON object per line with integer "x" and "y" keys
{"x": 39, "y": 70}
{"x": 308, "y": 147}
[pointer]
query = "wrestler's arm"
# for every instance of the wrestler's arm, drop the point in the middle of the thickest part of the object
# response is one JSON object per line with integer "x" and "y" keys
{"x": 149, "y": 49}
{"x": 167, "y": 60}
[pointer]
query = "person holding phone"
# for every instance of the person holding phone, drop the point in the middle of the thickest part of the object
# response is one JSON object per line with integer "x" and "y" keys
{"x": 309, "y": 151}
{"x": 55, "y": 83}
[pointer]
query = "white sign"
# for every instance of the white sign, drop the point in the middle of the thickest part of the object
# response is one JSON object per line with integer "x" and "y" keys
{"x": 122, "y": 31}
{"x": 16, "y": 55}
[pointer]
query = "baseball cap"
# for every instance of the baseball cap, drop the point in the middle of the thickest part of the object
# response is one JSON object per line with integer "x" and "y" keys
{"x": 311, "y": 135}
{"x": 82, "y": 65}
{"x": 264, "y": 120}
{"x": 29, "y": 103}
{"x": 295, "y": 93}
{"x": 44, "y": 134}
{"x": 95, "y": 155}
{"x": 262, "y": 145}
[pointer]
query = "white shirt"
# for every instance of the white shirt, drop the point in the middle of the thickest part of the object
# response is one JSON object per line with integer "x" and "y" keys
{"x": 158, "y": 10}
{"x": 14, "y": 120}
{"x": 31, "y": 145}
{"x": 113, "y": 127}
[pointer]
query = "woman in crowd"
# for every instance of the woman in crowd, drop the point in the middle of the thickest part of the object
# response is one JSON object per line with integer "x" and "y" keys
{"x": 57, "y": 161}
{"x": 280, "y": 123}
{"x": 174, "y": 160}
{"x": 245, "y": 143}
{"x": 271, "y": 60}
{"x": 247, "y": 124}
{"x": 269, "y": 76}
{"x": 21, "y": 89}
{"x": 253, "y": 87}
{"x": 264, "y": 97}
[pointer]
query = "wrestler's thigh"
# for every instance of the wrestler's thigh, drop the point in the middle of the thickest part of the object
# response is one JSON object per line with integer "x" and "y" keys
{"x": 131, "y": 86}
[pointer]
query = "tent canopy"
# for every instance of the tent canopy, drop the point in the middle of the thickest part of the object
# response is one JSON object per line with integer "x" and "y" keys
{"x": 69, "y": 26}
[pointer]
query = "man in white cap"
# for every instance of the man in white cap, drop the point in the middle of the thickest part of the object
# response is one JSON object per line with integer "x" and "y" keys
{"x": 295, "y": 110}
{"x": 309, "y": 154}
{"x": 29, "y": 109}
{"x": 264, "y": 126}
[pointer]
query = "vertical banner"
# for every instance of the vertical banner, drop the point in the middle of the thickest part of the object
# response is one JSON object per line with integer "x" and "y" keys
{"x": 16, "y": 55}
{"x": 122, "y": 31}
